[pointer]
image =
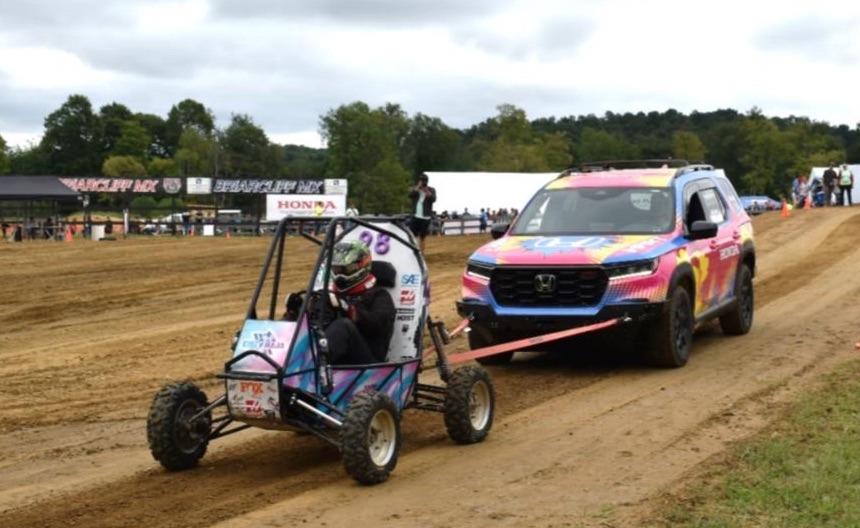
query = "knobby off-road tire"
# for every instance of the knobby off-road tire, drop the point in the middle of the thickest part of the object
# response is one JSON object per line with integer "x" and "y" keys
{"x": 469, "y": 405}
{"x": 478, "y": 340}
{"x": 173, "y": 441}
{"x": 672, "y": 336}
{"x": 370, "y": 437}
{"x": 740, "y": 319}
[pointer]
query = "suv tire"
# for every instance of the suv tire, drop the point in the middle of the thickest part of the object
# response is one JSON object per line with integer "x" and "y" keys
{"x": 673, "y": 333}
{"x": 478, "y": 339}
{"x": 740, "y": 319}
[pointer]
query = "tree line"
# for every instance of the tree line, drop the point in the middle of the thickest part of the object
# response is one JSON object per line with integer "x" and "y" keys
{"x": 381, "y": 150}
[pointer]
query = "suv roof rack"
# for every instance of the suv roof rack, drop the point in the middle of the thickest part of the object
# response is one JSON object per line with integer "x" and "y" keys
{"x": 683, "y": 166}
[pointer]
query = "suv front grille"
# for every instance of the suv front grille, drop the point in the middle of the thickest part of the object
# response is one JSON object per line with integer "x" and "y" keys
{"x": 548, "y": 287}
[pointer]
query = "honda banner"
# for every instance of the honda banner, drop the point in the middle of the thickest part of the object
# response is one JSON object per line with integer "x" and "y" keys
{"x": 279, "y": 206}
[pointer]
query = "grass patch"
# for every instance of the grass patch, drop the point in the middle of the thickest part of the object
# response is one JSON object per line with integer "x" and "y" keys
{"x": 804, "y": 471}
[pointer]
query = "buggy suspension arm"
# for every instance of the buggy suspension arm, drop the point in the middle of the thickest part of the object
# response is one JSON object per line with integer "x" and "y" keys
{"x": 439, "y": 336}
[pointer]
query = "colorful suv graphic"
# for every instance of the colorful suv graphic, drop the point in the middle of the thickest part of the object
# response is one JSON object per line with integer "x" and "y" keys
{"x": 664, "y": 242}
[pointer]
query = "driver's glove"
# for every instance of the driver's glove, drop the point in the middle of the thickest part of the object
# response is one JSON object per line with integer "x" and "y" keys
{"x": 339, "y": 304}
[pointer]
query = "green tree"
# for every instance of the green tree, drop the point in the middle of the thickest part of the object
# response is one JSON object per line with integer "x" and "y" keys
{"x": 134, "y": 140}
{"x": 687, "y": 145}
{"x": 508, "y": 144}
{"x": 599, "y": 145}
{"x": 365, "y": 147}
{"x": 187, "y": 114}
{"x": 143, "y": 206}
{"x": 71, "y": 140}
{"x": 431, "y": 145}
{"x": 246, "y": 149}
{"x": 31, "y": 160}
{"x": 156, "y": 127}
{"x": 5, "y": 164}
{"x": 162, "y": 167}
{"x": 112, "y": 117}
{"x": 193, "y": 156}
{"x": 123, "y": 166}
{"x": 766, "y": 157}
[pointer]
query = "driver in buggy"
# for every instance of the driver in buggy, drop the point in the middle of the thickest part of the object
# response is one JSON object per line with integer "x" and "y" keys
{"x": 362, "y": 332}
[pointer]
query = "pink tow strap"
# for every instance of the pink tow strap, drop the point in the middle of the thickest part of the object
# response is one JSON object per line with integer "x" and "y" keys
{"x": 521, "y": 343}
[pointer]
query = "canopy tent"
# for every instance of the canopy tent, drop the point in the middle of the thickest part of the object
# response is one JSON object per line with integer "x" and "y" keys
{"x": 818, "y": 173}
{"x": 35, "y": 188}
{"x": 456, "y": 191}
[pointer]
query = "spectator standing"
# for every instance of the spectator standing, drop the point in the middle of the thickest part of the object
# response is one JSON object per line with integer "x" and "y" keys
{"x": 846, "y": 184}
{"x": 352, "y": 210}
{"x": 829, "y": 181}
{"x": 801, "y": 190}
{"x": 482, "y": 223}
{"x": 32, "y": 228}
{"x": 422, "y": 197}
{"x": 319, "y": 210}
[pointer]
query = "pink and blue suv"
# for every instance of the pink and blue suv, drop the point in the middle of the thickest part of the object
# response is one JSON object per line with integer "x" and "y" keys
{"x": 664, "y": 242}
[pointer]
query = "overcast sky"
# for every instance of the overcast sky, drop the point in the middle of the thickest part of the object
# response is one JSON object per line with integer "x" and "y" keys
{"x": 287, "y": 62}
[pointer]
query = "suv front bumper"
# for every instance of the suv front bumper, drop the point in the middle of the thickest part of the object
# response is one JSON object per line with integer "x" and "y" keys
{"x": 485, "y": 316}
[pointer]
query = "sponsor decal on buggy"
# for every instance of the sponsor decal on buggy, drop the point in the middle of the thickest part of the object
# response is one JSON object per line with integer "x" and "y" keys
{"x": 410, "y": 279}
{"x": 405, "y": 314}
{"x": 253, "y": 399}
{"x": 266, "y": 342}
{"x": 729, "y": 252}
{"x": 409, "y": 311}
{"x": 407, "y": 297}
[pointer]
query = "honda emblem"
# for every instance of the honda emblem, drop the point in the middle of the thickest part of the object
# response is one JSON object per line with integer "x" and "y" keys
{"x": 545, "y": 283}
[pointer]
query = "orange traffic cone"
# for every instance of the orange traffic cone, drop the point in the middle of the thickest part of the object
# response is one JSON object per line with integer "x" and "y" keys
{"x": 785, "y": 212}
{"x": 807, "y": 204}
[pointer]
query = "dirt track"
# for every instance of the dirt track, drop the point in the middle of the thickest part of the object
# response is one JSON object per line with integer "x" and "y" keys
{"x": 90, "y": 330}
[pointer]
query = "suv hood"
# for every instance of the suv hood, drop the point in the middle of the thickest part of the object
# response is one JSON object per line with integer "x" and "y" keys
{"x": 573, "y": 250}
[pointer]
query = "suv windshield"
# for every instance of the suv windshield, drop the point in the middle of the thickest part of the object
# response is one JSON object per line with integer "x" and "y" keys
{"x": 604, "y": 210}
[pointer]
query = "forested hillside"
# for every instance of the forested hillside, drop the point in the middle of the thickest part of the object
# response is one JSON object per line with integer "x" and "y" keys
{"x": 380, "y": 150}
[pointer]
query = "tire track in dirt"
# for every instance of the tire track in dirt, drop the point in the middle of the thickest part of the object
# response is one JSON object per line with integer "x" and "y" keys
{"x": 243, "y": 477}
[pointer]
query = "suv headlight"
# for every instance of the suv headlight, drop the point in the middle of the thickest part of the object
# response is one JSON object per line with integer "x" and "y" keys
{"x": 479, "y": 270}
{"x": 639, "y": 268}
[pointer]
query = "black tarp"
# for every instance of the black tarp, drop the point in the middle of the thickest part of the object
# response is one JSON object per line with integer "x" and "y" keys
{"x": 35, "y": 188}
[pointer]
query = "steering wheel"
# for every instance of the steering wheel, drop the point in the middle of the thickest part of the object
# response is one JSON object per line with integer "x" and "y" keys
{"x": 320, "y": 310}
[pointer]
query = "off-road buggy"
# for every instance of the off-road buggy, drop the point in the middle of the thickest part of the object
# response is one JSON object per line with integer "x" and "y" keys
{"x": 279, "y": 376}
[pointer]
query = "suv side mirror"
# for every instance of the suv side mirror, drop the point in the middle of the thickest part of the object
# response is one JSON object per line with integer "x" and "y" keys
{"x": 498, "y": 230}
{"x": 702, "y": 229}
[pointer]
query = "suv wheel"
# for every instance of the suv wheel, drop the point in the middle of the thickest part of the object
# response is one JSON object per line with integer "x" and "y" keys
{"x": 479, "y": 339}
{"x": 739, "y": 320}
{"x": 673, "y": 334}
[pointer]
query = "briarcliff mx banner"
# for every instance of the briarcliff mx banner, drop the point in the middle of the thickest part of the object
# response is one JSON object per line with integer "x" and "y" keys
{"x": 193, "y": 185}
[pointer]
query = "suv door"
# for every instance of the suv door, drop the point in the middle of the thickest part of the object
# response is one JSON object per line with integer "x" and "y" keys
{"x": 714, "y": 259}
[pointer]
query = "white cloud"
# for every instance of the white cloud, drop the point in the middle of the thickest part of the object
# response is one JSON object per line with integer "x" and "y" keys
{"x": 287, "y": 63}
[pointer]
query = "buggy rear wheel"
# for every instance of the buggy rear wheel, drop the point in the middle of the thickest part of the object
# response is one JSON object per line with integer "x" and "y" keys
{"x": 175, "y": 441}
{"x": 370, "y": 437}
{"x": 469, "y": 405}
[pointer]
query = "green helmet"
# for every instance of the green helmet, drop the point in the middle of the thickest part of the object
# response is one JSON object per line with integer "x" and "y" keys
{"x": 350, "y": 264}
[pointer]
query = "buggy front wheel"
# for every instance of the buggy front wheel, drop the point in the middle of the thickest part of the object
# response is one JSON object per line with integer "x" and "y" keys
{"x": 469, "y": 405}
{"x": 370, "y": 437}
{"x": 174, "y": 440}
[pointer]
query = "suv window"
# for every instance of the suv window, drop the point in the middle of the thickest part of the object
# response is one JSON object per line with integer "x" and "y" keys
{"x": 598, "y": 210}
{"x": 714, "y": 210}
